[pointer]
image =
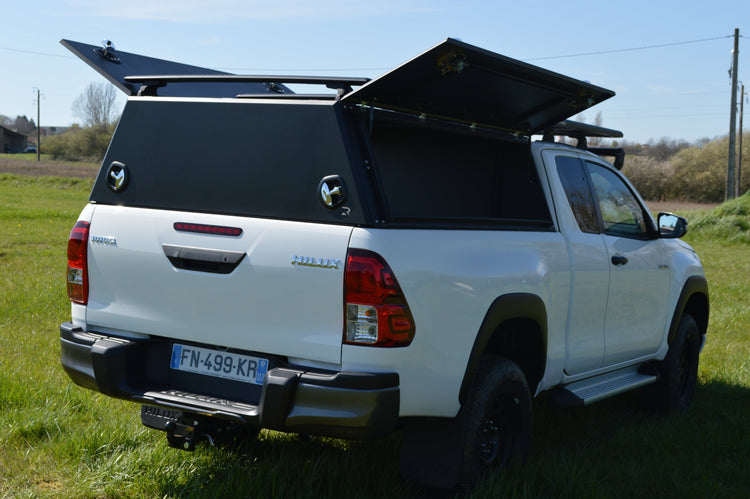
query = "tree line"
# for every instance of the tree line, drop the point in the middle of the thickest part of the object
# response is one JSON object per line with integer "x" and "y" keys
{"x": 98, "y": 111}
{"x": 677, "y": 170}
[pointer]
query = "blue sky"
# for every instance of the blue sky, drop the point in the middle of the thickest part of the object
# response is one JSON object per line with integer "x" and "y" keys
{"x": 679, "y": 90}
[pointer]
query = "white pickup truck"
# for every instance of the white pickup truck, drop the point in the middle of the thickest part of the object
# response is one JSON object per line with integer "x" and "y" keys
{"x": 399, "y": 256}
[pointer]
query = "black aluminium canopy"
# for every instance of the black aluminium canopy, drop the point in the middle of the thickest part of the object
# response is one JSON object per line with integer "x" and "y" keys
{"x": 461, "y": 82}
{"x": 453, "y": 81}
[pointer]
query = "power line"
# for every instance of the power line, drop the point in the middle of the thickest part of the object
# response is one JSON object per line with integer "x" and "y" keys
{"x": 45, "y": 54}
{"x": 669, "y": 95}
{"x": 641, "y": 117}
{"x": 601, "y": 52}
{"x": 631, "y": 49}
{"x": 614, "y": 108}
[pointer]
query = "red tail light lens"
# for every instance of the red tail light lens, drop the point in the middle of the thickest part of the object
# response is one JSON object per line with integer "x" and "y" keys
{"x": 376, "y": 310}
{"x": 78, "y": 277}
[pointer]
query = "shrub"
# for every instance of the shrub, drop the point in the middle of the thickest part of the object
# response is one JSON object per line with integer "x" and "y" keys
{"x": 80, "y": 144}
{"x": 652, "y": 178}
{"x": 695, "y": 174}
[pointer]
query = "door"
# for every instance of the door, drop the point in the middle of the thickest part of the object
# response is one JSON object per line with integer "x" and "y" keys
{"x": 589, "y": 288}
{"x": 639, "y": 275}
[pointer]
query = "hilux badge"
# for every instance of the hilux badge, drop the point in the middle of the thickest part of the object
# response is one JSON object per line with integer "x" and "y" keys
{"x": 117, "y": 176}
{"x": 307, "y": 261}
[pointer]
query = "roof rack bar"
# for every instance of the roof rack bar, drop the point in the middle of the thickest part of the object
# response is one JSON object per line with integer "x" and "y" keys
{"x": 152, "y": 82}
{"x": 618, "y": 153}
{"x": 580, "y": 131}
{"x": 209, "y": 78}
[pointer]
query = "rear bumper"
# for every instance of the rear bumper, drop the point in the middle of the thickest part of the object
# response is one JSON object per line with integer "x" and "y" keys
{"x": 294, "y": 399}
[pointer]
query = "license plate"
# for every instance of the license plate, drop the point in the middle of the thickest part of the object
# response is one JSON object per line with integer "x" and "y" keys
{"x": 219, "y": 364}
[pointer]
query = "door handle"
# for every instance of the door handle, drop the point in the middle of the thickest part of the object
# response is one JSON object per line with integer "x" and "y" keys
{"x": 203, "y": 260}
{"x": 619, "y": 260}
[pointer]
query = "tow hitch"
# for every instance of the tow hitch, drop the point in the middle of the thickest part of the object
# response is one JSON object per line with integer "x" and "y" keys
{"x": 183, "y": 436}
{"x": 183, "y": 431}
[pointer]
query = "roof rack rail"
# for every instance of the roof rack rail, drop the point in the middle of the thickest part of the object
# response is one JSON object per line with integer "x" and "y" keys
{"x": 618, "y": 153}
{"x": 580, "y": 131}
{"x": 150, "y": 83}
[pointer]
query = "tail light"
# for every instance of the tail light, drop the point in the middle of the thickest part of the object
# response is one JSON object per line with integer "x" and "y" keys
{"x": 78, "y": 277}
{"x": 376, "y": 311}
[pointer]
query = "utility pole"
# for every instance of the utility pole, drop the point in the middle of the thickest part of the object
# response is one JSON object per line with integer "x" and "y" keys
{"x": 38, "y": 128}
{"x": 729, "y": 193}
{"x": 739, "y": 151}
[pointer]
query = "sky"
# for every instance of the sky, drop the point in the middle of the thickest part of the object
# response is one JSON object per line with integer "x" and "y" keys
{"x": 668, "y": 61}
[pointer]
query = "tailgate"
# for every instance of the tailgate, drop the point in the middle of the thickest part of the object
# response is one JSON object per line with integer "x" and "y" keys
{"x": 276, "y": 288}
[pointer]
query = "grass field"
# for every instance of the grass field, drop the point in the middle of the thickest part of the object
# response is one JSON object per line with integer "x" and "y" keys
{"x": 57, "y": 439}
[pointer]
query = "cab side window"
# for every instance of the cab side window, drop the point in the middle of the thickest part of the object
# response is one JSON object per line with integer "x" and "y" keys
{"x": 576, "y": 186}
{"x": 622, "y": 215}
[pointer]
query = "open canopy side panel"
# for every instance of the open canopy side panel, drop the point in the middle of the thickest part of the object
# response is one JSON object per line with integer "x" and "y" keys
{"x": 115, "y": 65}
{"x": 464, "y": 83}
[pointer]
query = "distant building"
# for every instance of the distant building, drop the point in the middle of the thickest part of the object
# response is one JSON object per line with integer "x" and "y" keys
{"x": 49, "y": 131}
{"x": 12, "y": 142}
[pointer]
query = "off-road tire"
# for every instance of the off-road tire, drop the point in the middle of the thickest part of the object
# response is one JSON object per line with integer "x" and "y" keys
{"x": 678, "y": 372}
{"x": 496, "y": 419}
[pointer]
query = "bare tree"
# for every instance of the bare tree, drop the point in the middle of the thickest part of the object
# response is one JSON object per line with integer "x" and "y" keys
{"x": 97, "y": 106}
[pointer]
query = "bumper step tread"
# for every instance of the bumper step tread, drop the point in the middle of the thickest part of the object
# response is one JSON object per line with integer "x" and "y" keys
{"x": 187, "y": 401}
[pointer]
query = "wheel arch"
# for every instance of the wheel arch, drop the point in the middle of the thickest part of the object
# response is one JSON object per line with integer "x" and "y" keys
{"x": 515, "y": 327}
{"x": 694, "y": 301}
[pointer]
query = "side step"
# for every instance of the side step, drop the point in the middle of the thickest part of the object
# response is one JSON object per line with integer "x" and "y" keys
{"x": 588, "y": 391}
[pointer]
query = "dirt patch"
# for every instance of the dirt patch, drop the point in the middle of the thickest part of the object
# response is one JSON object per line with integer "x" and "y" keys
{"x": 47, "y": 168}
{"x": 672, "y": 206}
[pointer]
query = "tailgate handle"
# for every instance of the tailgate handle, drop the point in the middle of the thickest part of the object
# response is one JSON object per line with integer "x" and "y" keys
{"x": 203, "y": 260}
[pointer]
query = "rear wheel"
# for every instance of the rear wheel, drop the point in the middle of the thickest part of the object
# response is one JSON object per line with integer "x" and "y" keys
{"x": 678, "y": 372}
{"x": 497, "y": 419}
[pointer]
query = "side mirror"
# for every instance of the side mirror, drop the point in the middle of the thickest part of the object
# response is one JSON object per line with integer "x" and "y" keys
{"x": 671, "y": 226}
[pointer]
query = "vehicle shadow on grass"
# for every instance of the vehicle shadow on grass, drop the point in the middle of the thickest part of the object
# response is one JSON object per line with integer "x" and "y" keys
{"x": 285, "y": 465}
{"x": 623, "y": 447}
{"x": 614, "y": 448}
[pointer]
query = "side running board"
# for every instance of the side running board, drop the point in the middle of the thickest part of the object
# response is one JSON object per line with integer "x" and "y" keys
{"x": 588, "y": 391}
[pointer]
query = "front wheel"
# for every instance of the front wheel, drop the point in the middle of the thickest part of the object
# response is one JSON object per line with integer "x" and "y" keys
{"x": 678, "y": 372}
{"x": 496, "y": 427}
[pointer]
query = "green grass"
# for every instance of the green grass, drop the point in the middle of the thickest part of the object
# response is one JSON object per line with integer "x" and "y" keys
{"x": 57, "y": 439}
{"x": 730, "y": 222}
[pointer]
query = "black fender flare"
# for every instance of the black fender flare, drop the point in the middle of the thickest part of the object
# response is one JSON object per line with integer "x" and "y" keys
{"x": 694, "y": 285}
{"x": 504, "y": 308}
